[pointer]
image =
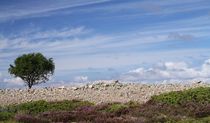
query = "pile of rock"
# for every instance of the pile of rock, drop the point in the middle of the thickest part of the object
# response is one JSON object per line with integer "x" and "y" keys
{"x": 101, "y": 85}
{"x": 103, "y": 91}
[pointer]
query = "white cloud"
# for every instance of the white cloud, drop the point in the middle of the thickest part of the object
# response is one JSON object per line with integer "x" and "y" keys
{"x": 169, "y": 71}
{"x": 16, "y": 81}
{"x": 206, "y": 68}
{"x": 63, "y": 33}
{"x": 43, "y": 38}
{"x": 81, "y": 78}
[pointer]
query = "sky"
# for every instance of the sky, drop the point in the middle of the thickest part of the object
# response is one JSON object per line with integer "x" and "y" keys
{"x": 127, "y": 40}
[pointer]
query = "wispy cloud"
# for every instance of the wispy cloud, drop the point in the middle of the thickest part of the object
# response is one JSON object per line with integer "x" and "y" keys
{"x": 80, "y": 41}
{"x": 22, "y": 10}
{"x": 140, "y": 9}
{"x": 134, "y": 8}
{"x": 63, "y": 33}
{"x": 38, "y": 38}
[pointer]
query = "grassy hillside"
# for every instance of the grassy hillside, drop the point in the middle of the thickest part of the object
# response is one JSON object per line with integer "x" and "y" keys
{"x": 189, "y": 106}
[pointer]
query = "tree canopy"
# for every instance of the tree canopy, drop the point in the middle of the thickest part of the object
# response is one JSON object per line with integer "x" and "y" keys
{"x": 32, "y": 68}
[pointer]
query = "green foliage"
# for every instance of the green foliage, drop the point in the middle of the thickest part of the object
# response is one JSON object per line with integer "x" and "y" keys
{"x": 36, "y": 107}
{"x": 8, "y": 121}
{"x": 132, "y": 104}
{"x": 31, "y": 107}
{"x": 115, "y": 107}
{"x": 198, "y": 95}
{"x": 5, "y": 116}
{"x": 191, "y": 120}
{"x": 32, "y": 68}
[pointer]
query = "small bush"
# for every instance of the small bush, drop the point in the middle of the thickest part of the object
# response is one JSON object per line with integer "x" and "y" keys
{"x": 57, "y": 116}
{"x": 29, "y": 119}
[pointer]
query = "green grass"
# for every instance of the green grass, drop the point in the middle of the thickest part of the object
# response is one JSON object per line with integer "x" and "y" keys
{"x": 8, "y": 121}
{"x": 198, "y": 95}
{"x": 115, "y": 107}
{"x": 132, "y": 104}
{"x": 201, "y": 120}
{"x": 5, "y": 116}
{"x": 36, "y": 107}
{"x": 192, "y": 120}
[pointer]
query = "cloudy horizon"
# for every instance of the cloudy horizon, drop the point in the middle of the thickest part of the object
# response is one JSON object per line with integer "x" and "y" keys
{"x": 139, "y": 40}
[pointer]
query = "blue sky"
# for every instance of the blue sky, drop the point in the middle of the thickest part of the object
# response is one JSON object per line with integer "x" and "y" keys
{"x": 128, "y": 40}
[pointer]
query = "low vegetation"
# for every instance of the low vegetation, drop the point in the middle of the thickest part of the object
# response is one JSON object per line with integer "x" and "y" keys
{"x": 196, "y": 95}
{"x": 189, "y": 106}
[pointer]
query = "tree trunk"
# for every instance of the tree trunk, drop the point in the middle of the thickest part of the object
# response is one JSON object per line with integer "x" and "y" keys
{"x": 30, "y": 85}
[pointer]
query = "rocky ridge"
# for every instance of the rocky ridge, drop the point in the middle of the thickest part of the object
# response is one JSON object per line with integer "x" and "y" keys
{"x": 100, "y": 92}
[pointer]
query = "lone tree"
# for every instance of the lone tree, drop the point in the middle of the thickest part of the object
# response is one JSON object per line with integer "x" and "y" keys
{"x": 32, "y": 68}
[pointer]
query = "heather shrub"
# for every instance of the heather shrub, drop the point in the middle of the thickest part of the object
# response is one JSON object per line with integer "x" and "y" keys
{"x": 192, "y": 120}
{"x": 102, "y": 107}
{"x": 173, "y": 107}
{"x": 29, "y": 119}
{"x": 86, "y": 110}
{"x": 112, "y": 120}
{"x": 197, "y": 110}
{"x": 73, "y": 116}
{"x": 57, "y": 116}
